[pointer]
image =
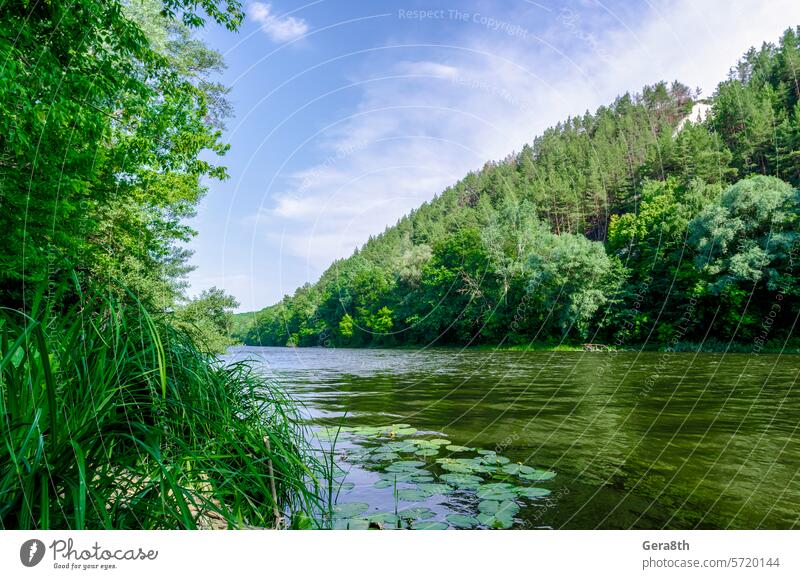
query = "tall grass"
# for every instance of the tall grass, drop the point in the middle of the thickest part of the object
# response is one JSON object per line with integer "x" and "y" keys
{"x": 114, "y": 419}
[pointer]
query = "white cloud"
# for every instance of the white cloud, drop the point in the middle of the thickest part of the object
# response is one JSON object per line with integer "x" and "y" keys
{"x": 428, "y": 123}
{"x": 427, "y": 68}
{"x": 278, "y": 28}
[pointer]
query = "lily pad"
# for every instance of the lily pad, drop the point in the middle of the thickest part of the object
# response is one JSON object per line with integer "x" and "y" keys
{"x": 435, "y": 488}
{"x": 426, "y": 452}
{"x": 439, "y": 441}
{"x": 349, "y": 510}
{"x": 416, "y": 513}
{"x": 429, "y": 526}
{"x": 389, "y": 519}
{"x": 424, "y": 443}
{"x": 384, "y": 456}
{"x": 399, "y": 477}
{"x": 457, "y": 467}
{"x": 351, "y": 524}
{"x": 484, "y": 452}
{"x": 346, "y": 486}
{"x": 495, "y": 521}
{"x": 498, "y": 486}
{"x": 462, "y": 521}
{"x": 539, "y": 475}
{"x": 532, "y": 492}
{"x": 401, "y": 446}
{"x": 506, "y": 507}
{"x": 494, "y": 460}
{"x": 405, "y": 465}
{"x": 457, "y": 448}
{"x": 383, "y": 483}
{"x": 413, "y": 495}
{"x": 460, "y": 480}
{"x": 518, "y": 469}
{"x": 495, "y": 495}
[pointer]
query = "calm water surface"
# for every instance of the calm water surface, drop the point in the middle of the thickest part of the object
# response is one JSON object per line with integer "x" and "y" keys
{"x": 647, "y": 440}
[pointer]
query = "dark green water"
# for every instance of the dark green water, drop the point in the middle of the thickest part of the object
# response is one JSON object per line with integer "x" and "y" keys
{"x": 649, "y": 440}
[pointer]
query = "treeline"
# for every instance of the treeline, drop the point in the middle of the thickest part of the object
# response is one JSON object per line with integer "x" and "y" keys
{"x": 628, "y": 226}
{"x": 113, "y": 411}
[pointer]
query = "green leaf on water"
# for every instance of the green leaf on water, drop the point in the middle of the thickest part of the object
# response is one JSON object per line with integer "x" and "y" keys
{"x": 518, "y": 469}
{"x": 495, "y": 521}
{"x": 389, "y": 519}
{"x": 457, "y": 467}
{"x": 383, "y": 483}
{"x": 351, "y": 524}
{"x": 394, "y": 477}
{"x": 426, "y": 452}
{"x": 384, "y": 456}
{"x": 485, "y": 452}
{"x": 532, "y": 492}
{"x": 424, "y": 443}
{"x": 348, "y": 510}
{"x": 416, "y": 513}
{"x": 439, "y": 441}
{"x": 489, "y": 507}
{"x": 457, "y": 448}
{"x": 462, "y": 521}
{"x": 495, "y": 494}
{"x": 494, "y": 460}
{"x": 346, "y": 486}
{"x": 413, "y": 495}
{"x": 500, "y": 486}
{"x": 429, "y": 526}
{"x": 406, "y": 465}
{"x": 460, "y": 480}
{"x": 435, "y": 488}
{"x": 505, "y": 507}
{"x": 406, "y": 431}
{"x": 538, "y": 475}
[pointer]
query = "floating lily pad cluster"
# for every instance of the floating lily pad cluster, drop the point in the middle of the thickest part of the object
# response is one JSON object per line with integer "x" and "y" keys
{"x": 417, "y": 469}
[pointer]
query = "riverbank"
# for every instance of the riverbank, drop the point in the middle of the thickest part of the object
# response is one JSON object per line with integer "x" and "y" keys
{"x": 710, "y": 347}
{"x": 132, "y": 426}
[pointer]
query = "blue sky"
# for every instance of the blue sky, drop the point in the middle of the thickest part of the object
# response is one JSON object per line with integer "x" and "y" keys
{"x": 348, "y": 114}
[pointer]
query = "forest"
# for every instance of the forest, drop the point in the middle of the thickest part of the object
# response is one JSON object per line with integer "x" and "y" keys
{"x": 640, "y": 225}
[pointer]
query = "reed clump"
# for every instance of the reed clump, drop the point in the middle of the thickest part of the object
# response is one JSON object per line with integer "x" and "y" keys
{"x": 114, "y": 419}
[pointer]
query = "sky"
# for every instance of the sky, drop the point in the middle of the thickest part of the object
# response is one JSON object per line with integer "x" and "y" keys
{"x": 349, "y": 114}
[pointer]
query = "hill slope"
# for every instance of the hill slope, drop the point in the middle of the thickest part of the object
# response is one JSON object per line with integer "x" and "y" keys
{"x": 630, "y": 225}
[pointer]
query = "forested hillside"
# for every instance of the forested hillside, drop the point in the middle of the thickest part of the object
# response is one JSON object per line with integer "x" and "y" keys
{"x": 619, "y": 227}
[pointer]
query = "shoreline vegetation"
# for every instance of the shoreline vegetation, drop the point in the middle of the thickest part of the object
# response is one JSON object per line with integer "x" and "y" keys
{"x": 791, "y": 347}
{"x": 663, "y": 219}
{"x": 117, "y": 412}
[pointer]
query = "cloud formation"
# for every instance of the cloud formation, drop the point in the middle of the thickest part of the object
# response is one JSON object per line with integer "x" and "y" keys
{"x": 278, "y": 28}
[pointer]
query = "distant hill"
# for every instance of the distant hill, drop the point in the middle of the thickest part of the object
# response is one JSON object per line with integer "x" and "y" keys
{"x": 636, "y": 223}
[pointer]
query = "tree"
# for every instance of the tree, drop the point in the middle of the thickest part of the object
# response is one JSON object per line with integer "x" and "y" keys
{"x": 573, "y": 278}
{"x": 208, "y": 318}
{"x": 750, "y": 236}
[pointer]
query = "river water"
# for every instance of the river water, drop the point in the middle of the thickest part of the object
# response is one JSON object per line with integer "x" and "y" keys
{"x": 605, "y": 440}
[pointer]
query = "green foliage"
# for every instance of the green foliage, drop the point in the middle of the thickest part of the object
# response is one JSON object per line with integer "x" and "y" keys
{"x": 750, "y": 236}
{"x": 208, "y": 319}
{"x": 100, "y": 155}
{"x": 115, "y": 420}
{"x": 114, "y": 413}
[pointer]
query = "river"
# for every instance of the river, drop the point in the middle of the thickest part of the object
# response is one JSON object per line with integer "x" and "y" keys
{"x": 578, "y": 440}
